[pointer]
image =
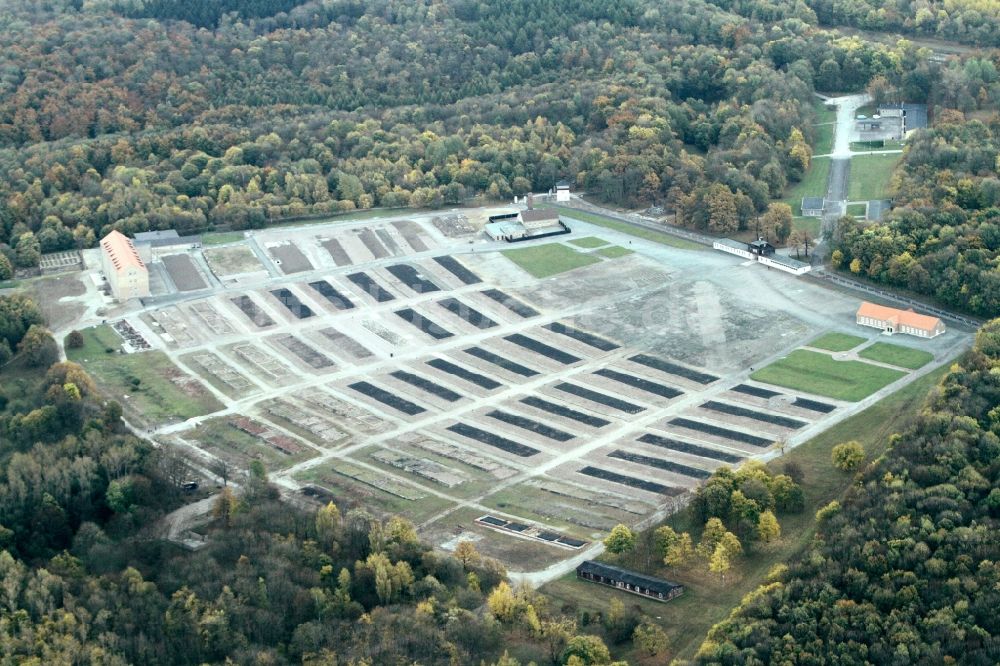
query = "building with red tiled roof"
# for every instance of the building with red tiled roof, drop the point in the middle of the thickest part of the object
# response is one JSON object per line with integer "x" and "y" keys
{"x": 892, "y": 320}
{"x": 123, "y": 267}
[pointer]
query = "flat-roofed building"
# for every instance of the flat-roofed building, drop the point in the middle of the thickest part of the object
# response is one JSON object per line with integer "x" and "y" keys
{"x": 123, "y": 267}
{"x": 893, "y": 320}
{"x": 629, "y": 581}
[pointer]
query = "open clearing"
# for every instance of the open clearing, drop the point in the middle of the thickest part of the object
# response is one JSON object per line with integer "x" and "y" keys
{"x": 414, "y": 372}
{"x": 588, "y": 242}
{"x": 543, "y": 261}
{"x": 639, "y": 232}
{"x": 813, "y": 184}
{"x": 821, "y": 374}
{"x": 870, "y": 176}
{"x": 614, "y": 251}
{"x": 148, "y": 385}
{"x": 904, "y": 357}
{"x": 837, "y": 342}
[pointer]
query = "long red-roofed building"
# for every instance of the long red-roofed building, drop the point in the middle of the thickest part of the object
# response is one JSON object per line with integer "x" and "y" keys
{"x": 893, "y": 320}
{"x": 123, "y": 267}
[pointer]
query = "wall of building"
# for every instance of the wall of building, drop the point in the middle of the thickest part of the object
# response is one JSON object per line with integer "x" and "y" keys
{"x": 732, "y": 250}
{"x": 768, "y": 261}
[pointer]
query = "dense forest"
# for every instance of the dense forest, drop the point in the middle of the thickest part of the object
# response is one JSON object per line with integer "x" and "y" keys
{"x": 904, "y": 571}
{"x": 943, "y": 238}
{"x": 139, "y": 124}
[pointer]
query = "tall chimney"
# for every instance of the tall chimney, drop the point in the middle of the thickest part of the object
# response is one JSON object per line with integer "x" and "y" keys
{"x": 531, "y": 201}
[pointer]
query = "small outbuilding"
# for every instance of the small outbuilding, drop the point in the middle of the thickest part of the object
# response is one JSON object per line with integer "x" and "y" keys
{"x": 760, "y": 247}
{"x": 813, "y": 206}
{"x": 562, "y": 192}
{"x": 893, "y": 320}
{"x": 650, "y": 587}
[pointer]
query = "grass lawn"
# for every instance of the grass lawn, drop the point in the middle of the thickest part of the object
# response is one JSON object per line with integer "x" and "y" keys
{"x": 824, "y": 112}
{"x": 631, "y": 230}
{"x": 904, "y": 357}
{"x": 857, "y": 209}
{"x": 549, "y": 259}
{"x": 824, "y": 139}
{"x": 163, "y": 393}
{"x": 837, "y": 342}
{"x": 707, "y": 601}
{"x": 861, "y": 146}
{"x": 221, "y": 237}
{"x": 810, "y": 225}
{"x": 818, "y": 373}
{"x": 813, "y": 184}
{"x": 870, "y": 174}
{"x": 614, "y": 252}
{"x": 589, "y": 242}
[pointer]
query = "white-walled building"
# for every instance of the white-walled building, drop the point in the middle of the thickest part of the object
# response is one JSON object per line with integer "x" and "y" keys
{"x": 123, "y": 267}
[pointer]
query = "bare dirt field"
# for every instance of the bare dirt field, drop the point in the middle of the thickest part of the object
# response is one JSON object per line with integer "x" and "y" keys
{"x": 232, "y": 260}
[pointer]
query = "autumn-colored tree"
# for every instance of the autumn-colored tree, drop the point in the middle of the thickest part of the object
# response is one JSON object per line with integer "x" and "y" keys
{"x": 466, "y": 553}
{"x": 847, "y": 456}
{"x": 768, "y": 528}
{"x": 621, "y": 540}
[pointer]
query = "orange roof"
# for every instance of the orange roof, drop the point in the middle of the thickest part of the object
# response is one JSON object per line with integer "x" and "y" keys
{"x": 907, "y": 317}
{"x": 120, "y": 249}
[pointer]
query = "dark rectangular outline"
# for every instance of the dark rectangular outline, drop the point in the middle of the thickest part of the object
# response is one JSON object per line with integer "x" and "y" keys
{"x": 681, "y": 446}
{"x": 565, "y": 412}
{"x": 582, "y": 336}
{"x": 370, "y": 287}
{"x": 743, "y": 412}
{"x": 662, "y": 390}
{"x": 500, "y": 361}
{"x": 410, "y": 276}
{"x": 599, "y": 398}
{"x": 387, "y": 398}
{"x": 330, "y": 293}
{"x": 426, "y": 385}
{"x": 531, "y": 425}
{"x": 660, "y": 463}
{"x": 519, "y": 308}
{"x": 488, "y": 438}
{"x": 542, "y": 349}
{"x": 631, "y": 482}
{"x": 458, "y": 269}
{"x": 724, "y": 433}
{"x": 673, "y": 368}
{"x": 479, "y": 380}
{"x": 467, "y": 314}
{"x": 423, "y": 323}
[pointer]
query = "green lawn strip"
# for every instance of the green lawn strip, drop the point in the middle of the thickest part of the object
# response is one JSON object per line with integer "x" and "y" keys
{"x": 819, "y": 374}
{"x": 549, "y": 259}
{"x": 904, "y": 357}
{"x": 589, "y": 242}
{"x": 632, "y": 230}
{"x": 824, "y": 112}
{"x": 857, "y": 209}
{"x": 869, "y": 176}
{"x": 824, "y": 139}
{"x": 156, "y": 398}
{"x": 221, "y": 237}
{"x": 837, "y": 342}
{"x": 706, "y": 600}
{"x": 614, "y": 252}
{"x": 876, "y": 146}
{"x": 813, "y": 184}
{"x": 810, "y": 225}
